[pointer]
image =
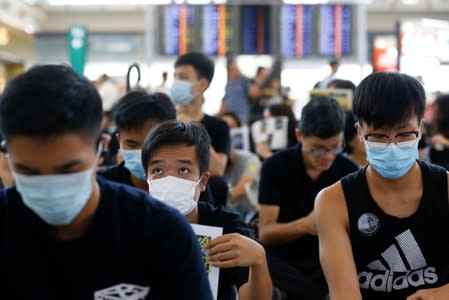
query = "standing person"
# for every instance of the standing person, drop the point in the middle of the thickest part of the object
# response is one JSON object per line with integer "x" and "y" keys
{"x": 163, "y": 87}
{"x": 290, "y": 181}
{"x": 236, "y": 93}
{"x": 66, "y": 234}
{"x": 108, "y": 90}
{"x": 256, "y": 94}
{"x": 193, "y": 75}
{"x": 386, "y": 226}
{"x": 334, "y": 65}
{"x": 176, "y": 157}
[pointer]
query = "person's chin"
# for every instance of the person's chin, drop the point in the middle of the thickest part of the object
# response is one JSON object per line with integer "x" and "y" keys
{"x": 323, "y": 166}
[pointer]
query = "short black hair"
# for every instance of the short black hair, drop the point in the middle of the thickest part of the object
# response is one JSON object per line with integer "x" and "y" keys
{"x": 343, "y": 84}
{"x": 234, "y": 116}
{"x": 138, "y": 107}
{"x": 322, "y": 117}
{"x": 49, "y": 101}
{"x": 386, "y": 99}
{"x": 441, "y": 114}
{"x": 203, "y": 65}
{"x": 175, "y": 132}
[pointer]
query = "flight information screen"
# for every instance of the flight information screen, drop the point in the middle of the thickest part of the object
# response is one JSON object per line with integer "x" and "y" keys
{"x": 335, "y": 30}
{"x": 296, "y": 30}
{"x": 255, "y": 29}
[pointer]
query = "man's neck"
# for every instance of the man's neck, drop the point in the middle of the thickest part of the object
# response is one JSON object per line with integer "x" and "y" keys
{"x": 193, "y": 110}
{"x": 193, "y": 217}
{"x": 78, "y": 227}
{"x": 140, "y": 184}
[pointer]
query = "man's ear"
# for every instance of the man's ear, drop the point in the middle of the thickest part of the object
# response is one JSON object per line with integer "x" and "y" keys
{"x": 204, "y": 181}
{"x": 299, "y": 135}
{"x": 358, "y": 127}
{"x": 204, "y": 84}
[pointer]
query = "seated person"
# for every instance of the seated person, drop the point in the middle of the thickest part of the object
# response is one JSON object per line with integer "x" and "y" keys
{"x": 135, "y": 114}
{"x": 354, "y": 147}
{"x": 66, "y": 234}
{"x": 176, "y": 157}
{"x": 438, "y": 152}
{"x": 290, "y": 181}
{"x": 242, "y": 175}
{"x": 385, "y": 227}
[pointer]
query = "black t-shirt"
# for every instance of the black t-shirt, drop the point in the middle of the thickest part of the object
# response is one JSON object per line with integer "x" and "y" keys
{"x": 117, "y": 173}
{"x": 120, "y": 174}
{"x": 395, "y": 257}
{"x": 133, "y": 244}
{"x": 220, "y": 137}
{"x": 285, "y": 183}
{"x": 231, "y": 223}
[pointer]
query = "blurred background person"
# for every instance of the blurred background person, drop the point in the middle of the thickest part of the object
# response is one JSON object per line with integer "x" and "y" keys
{"x": 236, "y": 93}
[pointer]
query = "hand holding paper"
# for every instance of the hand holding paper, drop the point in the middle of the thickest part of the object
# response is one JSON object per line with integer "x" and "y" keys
{"x": 235, "y": 250}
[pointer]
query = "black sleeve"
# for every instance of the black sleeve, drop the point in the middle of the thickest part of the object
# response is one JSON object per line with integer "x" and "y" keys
{"x": 182, "y": 273}
{"x": 270, "y": 182}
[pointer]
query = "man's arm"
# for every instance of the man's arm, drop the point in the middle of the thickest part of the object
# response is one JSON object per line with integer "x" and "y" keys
{"x": 238, "y": 190}
{"x": 441, "y": 293}
{"x": 218, "y": 162}
{"x": 235, "y": 250}
{"x": 271, "y": 232}
{"x": 335, "y": 247}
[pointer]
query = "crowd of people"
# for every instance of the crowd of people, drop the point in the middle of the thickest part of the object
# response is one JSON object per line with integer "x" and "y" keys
{"x": 100, "y": 196}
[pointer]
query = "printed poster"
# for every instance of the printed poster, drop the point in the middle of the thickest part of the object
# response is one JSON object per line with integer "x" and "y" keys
{"x": 204, "y": 235}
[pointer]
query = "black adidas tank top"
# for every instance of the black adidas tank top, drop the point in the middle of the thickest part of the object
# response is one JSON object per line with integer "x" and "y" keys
{"x": 395, "y": 257}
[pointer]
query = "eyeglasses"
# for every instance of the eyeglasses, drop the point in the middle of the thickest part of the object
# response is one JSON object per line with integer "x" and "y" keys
{"x": 401, "y": 140}
{"x": 320, "y": 151}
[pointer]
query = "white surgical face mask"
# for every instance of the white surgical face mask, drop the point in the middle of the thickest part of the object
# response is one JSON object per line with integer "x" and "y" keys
{"x": 176, "y": 192}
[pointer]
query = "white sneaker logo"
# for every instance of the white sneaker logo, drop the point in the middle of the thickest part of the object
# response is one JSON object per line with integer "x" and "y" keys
{"x": 122, "y": 292}
{"x": 413, "y": 272}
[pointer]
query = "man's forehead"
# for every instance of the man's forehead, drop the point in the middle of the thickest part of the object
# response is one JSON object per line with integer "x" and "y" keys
{"x": 413, "y": 122}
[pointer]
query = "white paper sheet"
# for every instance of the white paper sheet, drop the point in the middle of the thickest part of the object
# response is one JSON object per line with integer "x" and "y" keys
{"x": 204, "y": 235}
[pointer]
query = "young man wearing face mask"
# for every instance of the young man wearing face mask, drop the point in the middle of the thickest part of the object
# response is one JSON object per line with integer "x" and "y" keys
{"x": 193, "y": 75}
{"x": 290, "y": 180}
{"x": 66, "y": 234}
{"x": 135, "y": 114}
{"x": 176, "y": 156}
{"x": 386, "y": 227}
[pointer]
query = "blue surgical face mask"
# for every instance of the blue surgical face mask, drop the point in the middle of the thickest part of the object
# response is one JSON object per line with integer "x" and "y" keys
{"x": 393, "y": 161}
{"x": 56, "y": 199}
{"x": 133, "y": 162}
{"x": 181, "y": 92}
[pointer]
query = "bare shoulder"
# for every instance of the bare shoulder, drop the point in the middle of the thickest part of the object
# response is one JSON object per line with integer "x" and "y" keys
{"x": 330, "y": 203}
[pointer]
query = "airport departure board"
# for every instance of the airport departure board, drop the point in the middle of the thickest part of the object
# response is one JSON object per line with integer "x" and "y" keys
{"x": 335, "y": 30}
{"x": 255, "y": 29}
{"x": 296, "y": 30}
{"x": 218, "y": 29}
{"x": 179, "y": 36}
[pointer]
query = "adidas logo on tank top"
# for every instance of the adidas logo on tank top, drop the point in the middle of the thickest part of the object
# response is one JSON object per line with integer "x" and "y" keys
{"x": 402, "y": 265}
